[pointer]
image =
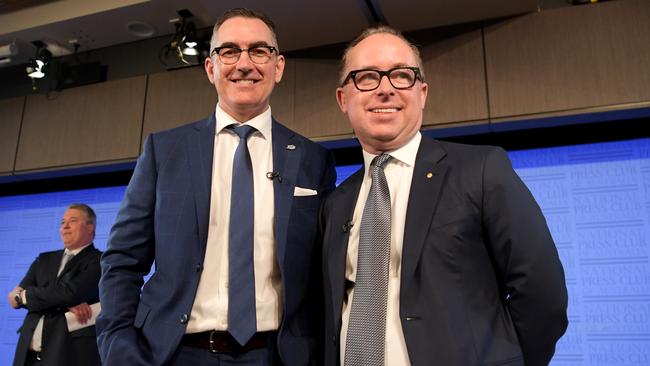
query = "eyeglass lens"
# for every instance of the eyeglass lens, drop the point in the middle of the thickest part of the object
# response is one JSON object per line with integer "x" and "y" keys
{"x": 259, "y": 55}
{"x": 400, "y": 78}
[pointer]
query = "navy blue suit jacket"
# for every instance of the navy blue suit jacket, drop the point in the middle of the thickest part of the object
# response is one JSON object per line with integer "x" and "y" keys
{"x": 481, "y": 282}
{"x": 164, "y": 219}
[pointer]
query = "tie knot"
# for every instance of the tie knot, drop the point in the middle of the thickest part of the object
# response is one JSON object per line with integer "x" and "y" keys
{"x": 243, "y": 130}
{"x": 380, "y": 160}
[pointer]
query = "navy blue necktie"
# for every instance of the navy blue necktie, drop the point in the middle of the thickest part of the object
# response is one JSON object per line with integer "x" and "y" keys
{"x": 242, "y": 320}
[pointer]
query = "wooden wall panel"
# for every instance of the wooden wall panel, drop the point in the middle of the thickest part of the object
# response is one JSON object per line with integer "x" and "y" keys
{"x": 11, "y": 111}
{"x": 569, "y": 58}
{"x": 177, "y": 97}
{"x": 454, "y": 70}
{"x": 282, "y": 99}
{"x": 90, "y": 124}
{"x": 407, "y": 15}
{"x": 317, "y": 114}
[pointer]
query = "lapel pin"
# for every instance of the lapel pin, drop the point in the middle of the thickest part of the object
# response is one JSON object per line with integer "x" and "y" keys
{"x": 291, "y": 147}
{"x": 429, "y": 175}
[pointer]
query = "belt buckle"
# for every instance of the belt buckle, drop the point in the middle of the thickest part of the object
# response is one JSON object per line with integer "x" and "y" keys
{"x": 211, "y": 348}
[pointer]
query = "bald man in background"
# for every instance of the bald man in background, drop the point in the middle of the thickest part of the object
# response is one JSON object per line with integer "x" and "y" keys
{"x": 435, "y": 253}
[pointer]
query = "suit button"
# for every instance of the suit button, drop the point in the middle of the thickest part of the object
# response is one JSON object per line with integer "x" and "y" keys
{"x": 334, "y": 339}
{"x": 199, "y": 267}
{"x": 184, "y": 318}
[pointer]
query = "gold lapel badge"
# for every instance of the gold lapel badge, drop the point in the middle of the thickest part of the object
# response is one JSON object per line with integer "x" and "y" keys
{"x": 429, "y": 175}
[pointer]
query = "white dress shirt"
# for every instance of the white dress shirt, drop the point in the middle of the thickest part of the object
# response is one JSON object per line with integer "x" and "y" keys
{"x": 210, "y": 309}
{"x": 399, "y": 173}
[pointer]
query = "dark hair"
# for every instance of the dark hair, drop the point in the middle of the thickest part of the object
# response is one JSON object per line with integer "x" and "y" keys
{"x": 378, "y": 29}
{"x": 243, "y": 13}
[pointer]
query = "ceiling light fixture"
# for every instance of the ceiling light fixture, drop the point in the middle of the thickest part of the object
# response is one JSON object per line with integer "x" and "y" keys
{"x": 37, "y": 67}
{"x": 184, "y": 42}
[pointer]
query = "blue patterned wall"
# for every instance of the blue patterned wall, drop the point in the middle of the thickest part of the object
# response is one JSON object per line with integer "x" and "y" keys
{"x": 596, "y": 199}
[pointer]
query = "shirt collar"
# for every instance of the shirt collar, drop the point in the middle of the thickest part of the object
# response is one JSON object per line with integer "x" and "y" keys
{"x": 261, "y": 122}
{"x": 405, "y": 154}
{"x": 76, "y": 251}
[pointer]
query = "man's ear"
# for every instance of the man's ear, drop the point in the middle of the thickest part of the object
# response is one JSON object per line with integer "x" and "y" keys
{"x": 279, "y": 68}
{"x": 425, "y": 92}
{"x": 208, "y": 65}
{"x": 340, "y": 99}
{"x": 92, "y": 229}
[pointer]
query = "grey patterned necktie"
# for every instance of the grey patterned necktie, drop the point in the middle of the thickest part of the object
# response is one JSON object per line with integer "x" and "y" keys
{"x": 367, "y": 324}
{"x": 66, "y": 258}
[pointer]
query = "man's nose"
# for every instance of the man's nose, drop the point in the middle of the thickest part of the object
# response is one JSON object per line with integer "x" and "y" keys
{"x": 244, "y": 61}
{"x": 385, "y": 87}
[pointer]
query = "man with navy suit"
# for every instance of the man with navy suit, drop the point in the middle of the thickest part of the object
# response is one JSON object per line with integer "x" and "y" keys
{"x": 444, "y": 246}
{"x": 58, "y": 282}
{"x": 227, "y": 209}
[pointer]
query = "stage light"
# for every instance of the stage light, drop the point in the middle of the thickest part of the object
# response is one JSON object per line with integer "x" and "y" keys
{"x": 184, "y": 42}
{"x": 37, "y": 67}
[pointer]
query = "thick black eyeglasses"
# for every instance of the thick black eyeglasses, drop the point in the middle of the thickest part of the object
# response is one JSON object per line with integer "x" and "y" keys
{"x": 229, "y": 55}
{"x": 399, "y": 77}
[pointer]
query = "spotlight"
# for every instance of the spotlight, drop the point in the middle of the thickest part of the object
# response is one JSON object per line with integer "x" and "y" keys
{"x": 184, "y": 43}
{"x": 189, "y": 42}
{"x": 38, "y": 65}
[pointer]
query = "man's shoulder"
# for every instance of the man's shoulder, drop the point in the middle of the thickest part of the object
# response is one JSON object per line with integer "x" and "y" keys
{"x": 278, "y": 127}
{"x": 93, "y": 251}
{"x": 53, "y": 254}
{"x": 459, "y": 150}
{"x": 50, "y": 253}
{"x": 183, "y": 129}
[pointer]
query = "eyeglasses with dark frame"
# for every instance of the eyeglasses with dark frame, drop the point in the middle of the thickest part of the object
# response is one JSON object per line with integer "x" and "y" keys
{"x": 229, "y": 55}
{"x": 402, "y": 77}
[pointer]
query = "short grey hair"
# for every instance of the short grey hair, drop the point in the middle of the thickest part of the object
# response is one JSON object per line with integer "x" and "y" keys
{"x": 243, "y": 13}
{"x": 91, "y": 218}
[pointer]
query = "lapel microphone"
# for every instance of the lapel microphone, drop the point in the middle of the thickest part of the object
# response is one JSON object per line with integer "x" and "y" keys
{"x": 274, "y": 175}
{"x": 347, "y": 226}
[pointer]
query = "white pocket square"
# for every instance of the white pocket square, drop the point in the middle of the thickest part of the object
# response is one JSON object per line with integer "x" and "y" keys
{"x": 299, "y": 191}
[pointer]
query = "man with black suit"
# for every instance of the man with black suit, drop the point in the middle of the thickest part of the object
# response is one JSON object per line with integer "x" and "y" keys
{"x": 227, "y": 208}
{"x": 434, "y": 253}
{"x": 57, "y": 282}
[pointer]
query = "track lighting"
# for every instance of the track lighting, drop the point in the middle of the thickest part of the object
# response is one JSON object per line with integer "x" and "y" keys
{"x": 184, "y": 43}
{"x": 188, "y": 46}
{"x": 37, "y": 67}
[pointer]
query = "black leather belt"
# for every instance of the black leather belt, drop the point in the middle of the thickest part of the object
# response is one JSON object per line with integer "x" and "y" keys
{"x": 222, "y": 342}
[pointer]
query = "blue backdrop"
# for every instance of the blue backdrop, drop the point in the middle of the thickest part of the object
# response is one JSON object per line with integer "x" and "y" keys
{"x": 596, "y": 199}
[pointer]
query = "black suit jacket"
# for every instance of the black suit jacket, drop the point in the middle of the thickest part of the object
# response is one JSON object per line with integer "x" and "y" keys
{"x": 481, "y": 281}
{"x": 51, "y": 296}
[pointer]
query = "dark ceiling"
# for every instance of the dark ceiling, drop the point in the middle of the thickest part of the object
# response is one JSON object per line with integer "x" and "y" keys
{"x": 300, "y": 24}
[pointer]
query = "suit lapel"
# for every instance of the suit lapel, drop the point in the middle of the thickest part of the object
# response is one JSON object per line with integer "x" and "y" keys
{"x": 75, "y": 261}
{"x": 338, "y": 237}
{"x": 54, "y": 264}
{"x": 429, "y": 175}
{"x": 287, "y": 154}
{"x": 201, "y": 150}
